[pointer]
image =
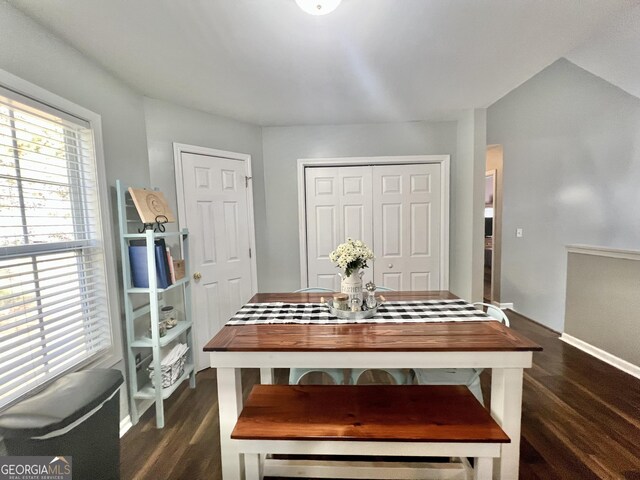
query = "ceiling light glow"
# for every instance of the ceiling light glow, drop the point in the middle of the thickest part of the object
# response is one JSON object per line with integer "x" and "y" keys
{"x": 318, "y": 7}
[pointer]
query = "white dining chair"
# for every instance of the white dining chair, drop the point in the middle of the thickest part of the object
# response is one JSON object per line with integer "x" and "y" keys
{"x": 494, "y": 312}
{"x": 296, "y": 374}
{"x": 400, "y": 376}
{"x": 460, "y": 376}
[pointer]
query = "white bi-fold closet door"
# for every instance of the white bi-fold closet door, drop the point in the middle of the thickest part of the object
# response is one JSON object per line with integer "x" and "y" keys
{"x": 395, "y": 209}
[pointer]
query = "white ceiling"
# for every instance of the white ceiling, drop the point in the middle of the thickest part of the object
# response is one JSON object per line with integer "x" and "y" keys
{"x": 267, "y": 62}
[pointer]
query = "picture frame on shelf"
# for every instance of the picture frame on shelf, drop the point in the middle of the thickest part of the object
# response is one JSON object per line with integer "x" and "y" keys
{"x": 151, "y": 206}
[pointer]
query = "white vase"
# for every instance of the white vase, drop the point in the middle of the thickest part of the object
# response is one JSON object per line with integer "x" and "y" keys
{"x": 352, "y": 285}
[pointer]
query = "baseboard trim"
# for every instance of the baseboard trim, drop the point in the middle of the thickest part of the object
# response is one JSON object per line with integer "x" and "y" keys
{"x": 125, "y": 425}
{"x": 504, "y": 306}
{"x": 144, "y": 405}
{"x": 600, "y": 354}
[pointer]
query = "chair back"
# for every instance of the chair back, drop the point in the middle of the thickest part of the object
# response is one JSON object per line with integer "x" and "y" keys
{"x": 494, "y": 312}
{"x": 313, "y": 290}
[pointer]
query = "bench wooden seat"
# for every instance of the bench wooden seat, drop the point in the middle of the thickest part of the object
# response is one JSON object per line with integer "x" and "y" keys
{"x": 393, "y": 420}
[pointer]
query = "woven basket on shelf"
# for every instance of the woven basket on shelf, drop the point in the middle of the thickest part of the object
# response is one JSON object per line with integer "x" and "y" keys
{"x": 170, "y": 373}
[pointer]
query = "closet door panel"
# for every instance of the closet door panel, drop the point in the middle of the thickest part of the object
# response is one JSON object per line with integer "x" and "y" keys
{"x": 407, "y": 221}
{"x": 338, "y": 205}
{"x": 323, "y": 217}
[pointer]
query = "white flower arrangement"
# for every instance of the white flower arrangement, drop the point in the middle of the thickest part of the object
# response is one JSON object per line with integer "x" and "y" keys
{"x": 351, "y": 256}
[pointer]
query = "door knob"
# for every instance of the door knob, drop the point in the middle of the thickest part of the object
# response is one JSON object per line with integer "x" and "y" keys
{"x": 197, "y": 276}
{"x": 391, "y": 265}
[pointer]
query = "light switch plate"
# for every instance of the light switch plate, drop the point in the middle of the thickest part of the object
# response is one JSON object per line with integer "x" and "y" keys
{"x": 519, "y": 232}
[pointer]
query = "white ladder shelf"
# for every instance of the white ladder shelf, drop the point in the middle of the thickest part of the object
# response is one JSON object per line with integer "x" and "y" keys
{"x": 142, "y": 392}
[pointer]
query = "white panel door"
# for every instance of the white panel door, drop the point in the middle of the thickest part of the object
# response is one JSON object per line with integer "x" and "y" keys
{"x": 217, "y": 217}
{"x": 407, "y": 201}
{"x": 338, "y": 205}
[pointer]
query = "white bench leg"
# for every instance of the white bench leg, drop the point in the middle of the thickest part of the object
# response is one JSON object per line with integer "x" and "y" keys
{"x": 230, "y": 406}
{"x": 266, "y": 376}
{"x": 252, "y": 467}
{"x": 506, "y": 409}
{"x": 483, "y": 468}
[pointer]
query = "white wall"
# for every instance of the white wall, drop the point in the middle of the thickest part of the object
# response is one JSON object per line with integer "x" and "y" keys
{"x": 467, "y": 206}
{"x": 275, "y": 151}
{"x": 283, "y": 146}
{"x": 571, "y": 146}
{"x": 168, "y": 123}
{"x": 32, "y": 53}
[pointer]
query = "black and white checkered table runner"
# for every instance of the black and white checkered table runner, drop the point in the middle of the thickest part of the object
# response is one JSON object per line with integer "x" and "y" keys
{"x": 390, "y": 312}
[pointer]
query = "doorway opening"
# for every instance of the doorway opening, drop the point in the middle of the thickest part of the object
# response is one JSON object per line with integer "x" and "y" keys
{"x": 493, "y": 222}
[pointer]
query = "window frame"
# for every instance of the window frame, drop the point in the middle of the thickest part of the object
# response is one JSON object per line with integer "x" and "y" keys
{"x": 112, "y": 355}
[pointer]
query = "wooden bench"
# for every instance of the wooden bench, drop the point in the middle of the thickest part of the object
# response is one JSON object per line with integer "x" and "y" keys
{"x": 369, "y": 420}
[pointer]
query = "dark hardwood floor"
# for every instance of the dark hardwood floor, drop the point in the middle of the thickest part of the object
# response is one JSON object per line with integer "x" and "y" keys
{"x": 487, "y": 283}
{"x": 581, "y": 420}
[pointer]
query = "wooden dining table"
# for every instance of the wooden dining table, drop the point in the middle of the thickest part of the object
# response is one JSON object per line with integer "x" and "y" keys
{"x": 463, "y": 344}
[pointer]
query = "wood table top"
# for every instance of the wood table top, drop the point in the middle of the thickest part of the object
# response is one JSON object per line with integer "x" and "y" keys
{"x": 369, "y": 337}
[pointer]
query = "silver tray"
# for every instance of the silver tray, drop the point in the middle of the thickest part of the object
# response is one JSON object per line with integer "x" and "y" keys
{"x": 349, "y": 315}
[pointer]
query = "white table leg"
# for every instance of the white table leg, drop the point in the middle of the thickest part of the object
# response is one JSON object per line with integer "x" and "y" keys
{"x": 506, "y": 409}
{"x": 253, "y": 468}
{"x": 482, "y": 468}
{"x": 266, "y": 376}
{"x": 230, "y": 406}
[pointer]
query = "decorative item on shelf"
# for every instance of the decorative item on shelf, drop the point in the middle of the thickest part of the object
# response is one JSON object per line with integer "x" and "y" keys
{"x": 352, "y": 257}
{"x": 171, "y": 366}
{"x": 172, "y": 273}
{"x": 162, "y": 330}
{"x": 179, "y": 269}
{"x": 152, "y": 208}
{"x": 168, "y": 316}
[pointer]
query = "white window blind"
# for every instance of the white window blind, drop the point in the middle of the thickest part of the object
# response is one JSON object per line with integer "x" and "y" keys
{"x": 53, "y": 301}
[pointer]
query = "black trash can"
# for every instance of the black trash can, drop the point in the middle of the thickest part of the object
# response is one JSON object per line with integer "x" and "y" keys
{"x": 76, "y": 416}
